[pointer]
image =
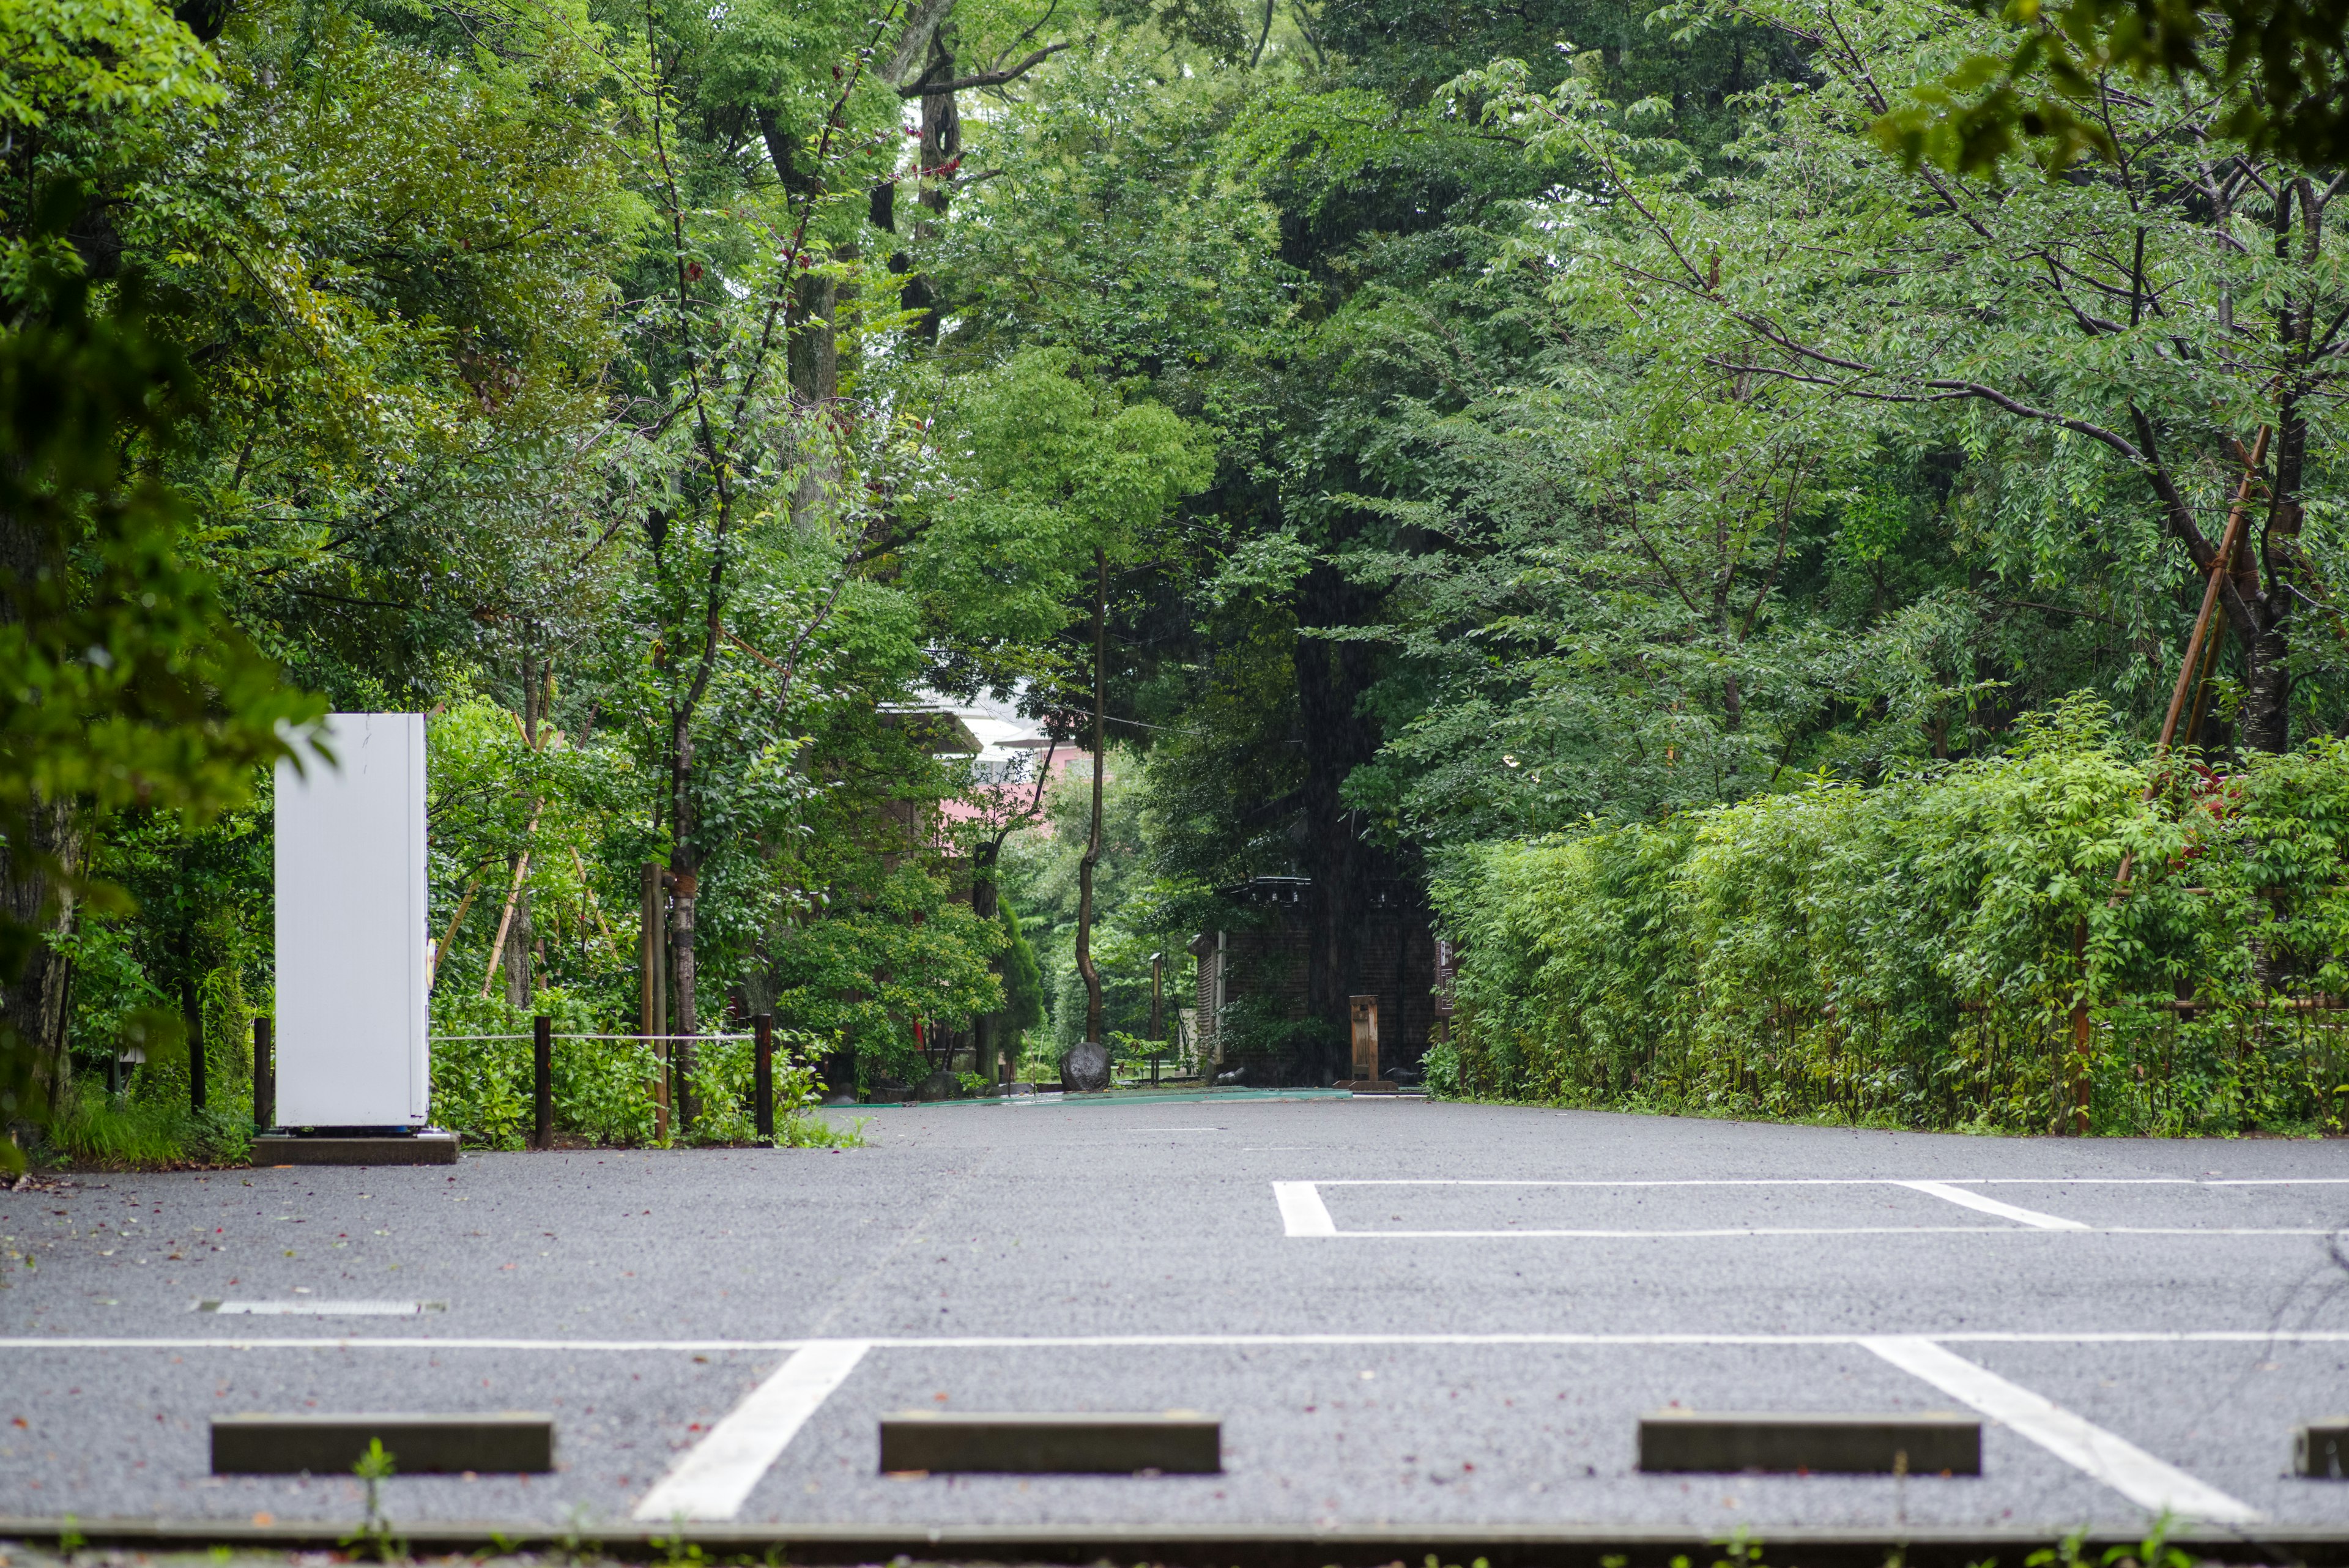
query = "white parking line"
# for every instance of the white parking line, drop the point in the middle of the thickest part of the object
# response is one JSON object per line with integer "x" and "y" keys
{"x": 1302, "y": 1212}
{"x": 716, "y": 1475}
{"x": 1975, "y": 1200}
{"x": 1716, "y": 1233}
{"x": 2148, "y": 1483}
{"x": 318, "y": 1309}
{"x": 437, "y": 1345}
{"x": 1827, "y": 1181}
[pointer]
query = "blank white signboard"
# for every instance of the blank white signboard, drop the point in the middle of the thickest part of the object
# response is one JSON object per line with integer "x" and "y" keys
{"x": 351, "y": 917}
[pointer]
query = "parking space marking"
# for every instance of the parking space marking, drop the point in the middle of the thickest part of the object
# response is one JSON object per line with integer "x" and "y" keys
{"x": 2279, "y": 1181}
{"x": 1727, "y": 1232}
{"x": 318, "y": 1309}
{"x": 1302, "y": 1212}
{"x": 716, "y": 1475}
{"x": 1830, "y": 1182}
{"x": 435, "y": 1343}
{"x": 2111, "y": 1459}
{"x": 1975, "y": 1200}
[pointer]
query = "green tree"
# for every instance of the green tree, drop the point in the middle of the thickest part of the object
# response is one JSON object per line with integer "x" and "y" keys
{"x": 119, "y": 683}
{"x": 1063, "y": 473}
{"x": 2122, "y": 357}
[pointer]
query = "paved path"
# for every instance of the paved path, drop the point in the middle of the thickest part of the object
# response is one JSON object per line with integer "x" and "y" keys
{"x": 1407, "y": 1315}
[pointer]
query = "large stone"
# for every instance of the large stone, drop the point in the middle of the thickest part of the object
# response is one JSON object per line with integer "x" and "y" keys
{"x": 1086, "y": 1071}
{"x": 939, "y": 1086}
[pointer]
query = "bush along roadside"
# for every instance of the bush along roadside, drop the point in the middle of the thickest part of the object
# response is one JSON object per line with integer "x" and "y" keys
{"x": 1913, "y": 953}
{"x": 602, "y": 1088}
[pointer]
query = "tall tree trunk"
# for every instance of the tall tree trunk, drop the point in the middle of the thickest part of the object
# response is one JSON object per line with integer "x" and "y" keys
{"x": 516, "y": 958}
{"x": 941, "y": 152}
{"x": 1093, "y": 1023}
{"x": 34, "y": 999}
{"x": 810, "y": 343}
{"x": 516, "y": 962}
{"x": 683, "y": 861}
{"x": 35, "y": 978}
{"x": 814, "y": 351}
{"x": 2266, "y": 715}
{"x": 1331, "y": 680}
{"x": 986, "y": 907}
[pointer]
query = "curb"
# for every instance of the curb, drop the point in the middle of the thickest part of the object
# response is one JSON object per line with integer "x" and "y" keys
{"x": 1264, "y": 1546}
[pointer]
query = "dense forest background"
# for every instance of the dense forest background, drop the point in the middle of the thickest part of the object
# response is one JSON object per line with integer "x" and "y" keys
{"x": 1484, "y": 431}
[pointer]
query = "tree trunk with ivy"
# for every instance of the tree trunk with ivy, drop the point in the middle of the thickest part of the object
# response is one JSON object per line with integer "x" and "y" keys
{"x": 35, "y": 979}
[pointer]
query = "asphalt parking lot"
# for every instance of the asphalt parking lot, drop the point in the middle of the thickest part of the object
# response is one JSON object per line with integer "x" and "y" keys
{"x": 1407, "y": 1314}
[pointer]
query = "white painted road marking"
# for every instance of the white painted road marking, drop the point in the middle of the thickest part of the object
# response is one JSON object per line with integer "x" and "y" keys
{"x": 2151, "y": 1484}
{"x": 1303, "y": 1213}
{"x": 1767, "y": 1231}
{"x": 715, "y": 1477}
{"x": 318, "y": 1309}
{"x": 1975, "y": 1200}
{"x": 1827, "y": 1181}
{"x": 1199, "y": 1341}
{"x": 1301, "y": 1209}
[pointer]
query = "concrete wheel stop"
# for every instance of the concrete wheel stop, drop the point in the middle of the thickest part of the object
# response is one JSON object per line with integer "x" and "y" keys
{"x": 507, "y": 1443}
{"x": 1174, "y": 1442}
{"x": 1680, "y": 1441}
{"x": 2320, "y": 1450}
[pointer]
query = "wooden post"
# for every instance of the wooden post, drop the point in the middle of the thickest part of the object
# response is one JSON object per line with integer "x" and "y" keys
{"x": 1365, "y": 1010}
{"x": 2219, "y": 566}
{"x": 653, "y": 1010}
{"x": 763, "y": 1027}
{"x": 264, "y": 1077}
{"x": 2187, "y": 668}
{"x": 542, "y": 1074}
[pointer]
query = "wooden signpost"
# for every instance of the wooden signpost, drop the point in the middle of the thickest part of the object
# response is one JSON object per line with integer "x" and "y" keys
{"x": 1364, "y": 1011}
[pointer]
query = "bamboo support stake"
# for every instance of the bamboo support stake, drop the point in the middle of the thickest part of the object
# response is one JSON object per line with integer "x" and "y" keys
{"x": 433, "y": 967}
{"x": 611, "y": 943}
{"x": 522, "y": 870}
{"x": 2187, "y": 670}
{"x": 2194, "y": 708}
{"x": 2219, "y": 566}
{"x": 513, "y": 896}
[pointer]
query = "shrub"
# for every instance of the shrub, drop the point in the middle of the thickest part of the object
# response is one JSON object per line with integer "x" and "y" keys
{"x": 1911, "y": 952}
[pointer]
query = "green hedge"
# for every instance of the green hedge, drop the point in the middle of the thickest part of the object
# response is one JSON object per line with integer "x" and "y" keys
{"x": 1909, "y": 953}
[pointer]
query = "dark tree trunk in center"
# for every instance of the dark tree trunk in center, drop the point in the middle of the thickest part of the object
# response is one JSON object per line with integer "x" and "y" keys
{"x": 1331, "y": 677}
{"x": 1085, "y": 967}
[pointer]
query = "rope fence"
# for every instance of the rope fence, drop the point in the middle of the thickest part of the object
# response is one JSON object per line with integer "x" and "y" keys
{"x": 457, "y": 1038}
{"x": 609, "y": 1095}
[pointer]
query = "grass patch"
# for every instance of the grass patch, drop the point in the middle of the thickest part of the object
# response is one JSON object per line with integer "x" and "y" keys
{"x": 97, "y": 1129}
